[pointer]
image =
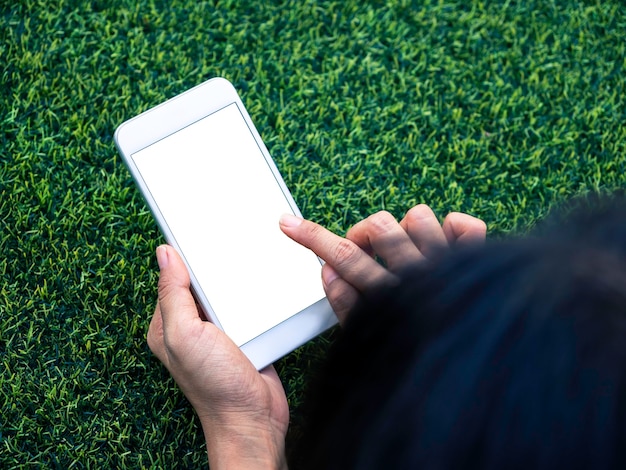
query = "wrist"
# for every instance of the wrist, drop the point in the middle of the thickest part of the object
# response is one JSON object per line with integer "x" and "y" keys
{"x": 245, "y": 446}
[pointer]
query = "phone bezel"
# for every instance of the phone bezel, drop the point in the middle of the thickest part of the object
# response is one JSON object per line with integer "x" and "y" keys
{"x": 168, "y": 118}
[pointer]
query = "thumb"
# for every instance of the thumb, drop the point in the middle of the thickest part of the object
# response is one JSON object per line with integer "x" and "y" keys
{"x": 175, "y": 299}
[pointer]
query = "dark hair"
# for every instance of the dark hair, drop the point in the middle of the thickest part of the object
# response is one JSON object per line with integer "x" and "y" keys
{"x": 508, "y": 356}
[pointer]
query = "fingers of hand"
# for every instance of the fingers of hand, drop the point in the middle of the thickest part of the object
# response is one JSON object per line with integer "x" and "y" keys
{"x": 382, "y": 235}
{"x": 423, "y": 228}
{"x": 350, "y": 262}
{"x": 463, "y": 229}
{"x": 351, "y": 268}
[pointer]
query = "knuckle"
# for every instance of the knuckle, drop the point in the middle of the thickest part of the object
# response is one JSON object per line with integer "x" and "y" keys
{"x": 382, "y": 217}
{"x": 345, "y": 251}
{"x": 419, "y": 212}
{"x": 382, "y": 222}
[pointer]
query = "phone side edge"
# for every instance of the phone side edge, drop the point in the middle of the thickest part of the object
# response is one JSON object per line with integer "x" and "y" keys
{"x": 290, "y": 334}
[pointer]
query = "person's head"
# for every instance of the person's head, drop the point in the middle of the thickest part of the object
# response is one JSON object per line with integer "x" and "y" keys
{"x": 510, "y": 355}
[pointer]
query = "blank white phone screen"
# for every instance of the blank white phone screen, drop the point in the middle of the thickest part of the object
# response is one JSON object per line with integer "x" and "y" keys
{"x": 221, "y": 202}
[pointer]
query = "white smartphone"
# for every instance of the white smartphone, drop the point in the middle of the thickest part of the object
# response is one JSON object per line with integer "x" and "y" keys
{"x": 217, "y": 196}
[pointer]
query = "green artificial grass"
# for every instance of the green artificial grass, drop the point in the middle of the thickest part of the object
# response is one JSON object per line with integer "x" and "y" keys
{"x": 500, "y": 109}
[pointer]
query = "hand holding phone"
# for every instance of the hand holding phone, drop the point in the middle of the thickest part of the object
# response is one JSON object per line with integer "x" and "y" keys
{"x": 244, "y": 413}
{"x": 217, "y": 196}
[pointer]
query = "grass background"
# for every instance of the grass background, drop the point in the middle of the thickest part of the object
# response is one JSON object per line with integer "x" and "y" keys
{"x": 500, "y": 109}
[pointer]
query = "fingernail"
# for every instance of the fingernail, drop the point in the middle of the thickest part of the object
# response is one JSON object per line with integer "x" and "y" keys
{"x": 162, "y": 259}
{"x": 328, "y": 275}
{"x": 290, "y": 220}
